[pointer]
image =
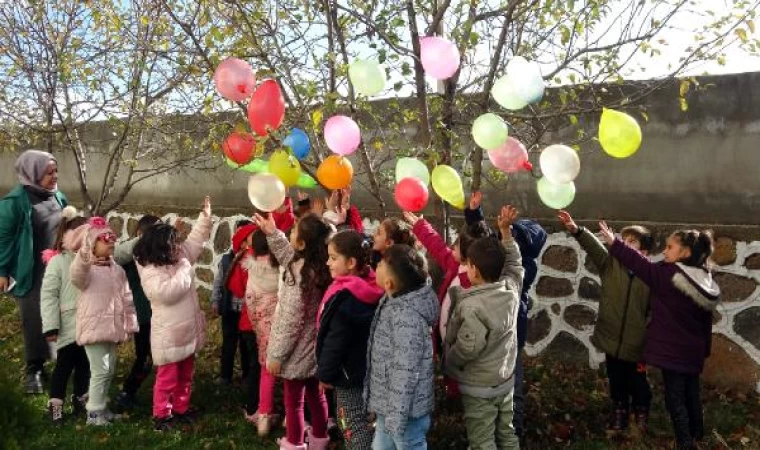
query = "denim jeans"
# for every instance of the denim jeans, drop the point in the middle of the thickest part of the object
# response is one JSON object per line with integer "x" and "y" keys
{"x": 414, "y": 437}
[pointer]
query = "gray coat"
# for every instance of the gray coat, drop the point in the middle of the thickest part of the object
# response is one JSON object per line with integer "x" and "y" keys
{"x": 399, "y": 382}
{"x": 481, "y": 341}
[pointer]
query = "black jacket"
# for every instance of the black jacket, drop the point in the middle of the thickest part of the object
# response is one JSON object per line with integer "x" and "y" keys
{"x": 342, "y": 340}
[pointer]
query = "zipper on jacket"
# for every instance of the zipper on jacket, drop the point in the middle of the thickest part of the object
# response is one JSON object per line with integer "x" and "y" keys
{"x": 625, "y": 314}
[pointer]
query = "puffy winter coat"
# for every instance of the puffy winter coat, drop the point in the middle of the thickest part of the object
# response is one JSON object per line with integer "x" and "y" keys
{"x": 58, "y": 300}
{"x": 261, "y": 299}
{"x": 178, "y": 326}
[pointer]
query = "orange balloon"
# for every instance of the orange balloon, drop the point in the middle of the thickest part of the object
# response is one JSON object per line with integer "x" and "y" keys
{"x": 335, "y": 172}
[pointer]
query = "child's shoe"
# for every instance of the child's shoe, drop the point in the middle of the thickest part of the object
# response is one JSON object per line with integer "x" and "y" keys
{"x": 188, "y": 417}
{"x": 316, "y": 443}
{"x": 98, "y": 418}
{"x": 252, "y": 418}
{"x": 286, "y": 445}
{"x": 265, "y": 422}
{"x": 641, "y": 417}
{"x": 619, "y": 419}
{"x": 79, "y": 405}
{"x": 125, "y": 401}
{"x": 162, "y": 424}
{"x": 55, "y": 410}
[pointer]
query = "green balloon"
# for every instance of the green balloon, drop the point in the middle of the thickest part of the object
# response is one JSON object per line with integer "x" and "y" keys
{"x": 414, "y": 168}
{"x": 555, "y": 196}
{"x": 367, "y": 77}
{"x": 507, "y": 94}
{"x": 306, "y": 181}
{"x": 489, "y": 131}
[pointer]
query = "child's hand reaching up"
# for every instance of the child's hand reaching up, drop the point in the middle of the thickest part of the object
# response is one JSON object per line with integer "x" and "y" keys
{"x": 567, "y": 221}
{"x": 206, "y": 211}
{"x": 266, "y": 224}
{"x": 411, "y": 218}
{"x": 476, "y": 199}
{"x": 607, "y": 234}
{"x": 507, "y": 215}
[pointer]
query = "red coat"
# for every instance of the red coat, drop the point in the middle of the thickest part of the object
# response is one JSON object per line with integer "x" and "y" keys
{"x": 441, "y": 254}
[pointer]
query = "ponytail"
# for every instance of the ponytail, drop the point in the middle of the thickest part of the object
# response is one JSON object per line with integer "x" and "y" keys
{"x": 352, "y": 244}
{"x": 700, "y": 243}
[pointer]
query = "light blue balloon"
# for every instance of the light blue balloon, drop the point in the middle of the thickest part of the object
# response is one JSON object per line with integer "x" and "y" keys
{"x": 298, "y": 141}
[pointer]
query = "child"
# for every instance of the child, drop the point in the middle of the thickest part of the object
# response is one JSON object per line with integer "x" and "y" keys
{"x": 105, "y": 312}
{"x": 683, "y": 298}
{"x": 141, "y": 368}
{"x": 260, "y": 303}
{"x": 399, "y": 383}
{"x": 389, "y": 232}
{"x": 290, "y": 353}
{"x": 228, "y": 306}
{"x": 344, "y": 319}
{"x": 178, "y": 327}
{"x": 59, "y": 308}
{"x": 481, "y": 341}
{"x": 621, "y": 325}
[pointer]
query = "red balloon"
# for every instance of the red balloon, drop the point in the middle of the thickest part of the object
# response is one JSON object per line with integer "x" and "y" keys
{"x": 267, "y": 108}
{"x": 411, "y": 194}
{"x": 238, "y": 147}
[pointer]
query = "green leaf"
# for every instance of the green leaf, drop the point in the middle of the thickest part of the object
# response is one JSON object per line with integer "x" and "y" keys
{"x": 573, "y": 119}
{"x": 684, "y": 104}
{"x": 751, "y": 25}
{"x": 742, "y": 34}
{"x": 683, "y": 89}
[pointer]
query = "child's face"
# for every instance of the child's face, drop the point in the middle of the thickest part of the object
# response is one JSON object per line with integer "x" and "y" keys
{"x": 104, "y": 245}
{"x": 380, "y": 238}
{"x": 295, "y": 242}
{"x": 634, "y": 244}
{"x": 674, "y": 251}
{"x": 384, "y": 278}
{"x": 339, "y": 265}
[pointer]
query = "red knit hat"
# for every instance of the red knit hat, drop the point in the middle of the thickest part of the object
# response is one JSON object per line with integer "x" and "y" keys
{"x": 241, "y": 235}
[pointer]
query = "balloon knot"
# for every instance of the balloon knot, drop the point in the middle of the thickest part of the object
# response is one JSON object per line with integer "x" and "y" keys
{"x": 242, "y": 88}
{"x": 527, "y": 165}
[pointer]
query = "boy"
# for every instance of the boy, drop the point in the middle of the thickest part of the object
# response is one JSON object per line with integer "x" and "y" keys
{"x": 399, "y": 385}
{"x": 481, "y": 340}
{"x": 621, "y": 323}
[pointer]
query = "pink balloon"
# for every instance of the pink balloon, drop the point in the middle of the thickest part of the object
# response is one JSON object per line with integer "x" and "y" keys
{"x": 234, "y": 79}
{"x": 411, "y": 194}
{"x": 439, "y": 57}
{"x": 342, "y": 135}
{"x": 510, "y": 157}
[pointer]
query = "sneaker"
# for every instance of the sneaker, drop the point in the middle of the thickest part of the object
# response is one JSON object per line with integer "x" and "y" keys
{"x": 33, "y": 383}
{"x": 124, "y": 401}
{"x": 97, "y": 418}
{"x": 252, "y": 418}
{"x": 188, "y": 417}
{"x": 618, "y": 420}
{"x": 79, "y": 405}
{"x": 164, "y": 423}
{"x": 55, "y": 411}
{"x": 264, "y": 425}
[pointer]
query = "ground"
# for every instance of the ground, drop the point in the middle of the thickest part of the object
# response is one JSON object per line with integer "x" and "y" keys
{"x": 567, "y": 407}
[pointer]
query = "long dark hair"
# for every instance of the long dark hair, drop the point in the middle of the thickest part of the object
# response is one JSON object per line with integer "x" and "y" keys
{"x": 398, "y": 231}
{"x": 261, "y": 247}
{"x": 158, "y": 246}
{"x": 700, "y": 243}
{"x": 351, "y": 244}
{"x": 315, "y": 275}
{"x": 66, "y": 225}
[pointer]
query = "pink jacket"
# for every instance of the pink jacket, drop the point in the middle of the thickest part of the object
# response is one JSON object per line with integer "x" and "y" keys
{"x": 261, "y": 299}
{"x": 178, "y": 326}
{"x": 105, "y": 312}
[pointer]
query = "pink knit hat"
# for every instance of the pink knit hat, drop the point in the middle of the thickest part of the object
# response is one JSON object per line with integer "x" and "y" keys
{"x": 99, "y": 227}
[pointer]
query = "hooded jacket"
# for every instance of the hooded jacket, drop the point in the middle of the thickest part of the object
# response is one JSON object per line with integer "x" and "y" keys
{"x": 682, "y": 301}
{"x": 261, "y": 299}
{"x": 344, "y": 320}
{"x": 400, "y": 374}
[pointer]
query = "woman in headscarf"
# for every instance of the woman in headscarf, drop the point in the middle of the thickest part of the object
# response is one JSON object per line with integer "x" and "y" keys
{"x": 29, "y": 217}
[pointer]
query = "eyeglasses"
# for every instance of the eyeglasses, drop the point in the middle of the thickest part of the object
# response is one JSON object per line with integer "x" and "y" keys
{"x": 107, "y": 237}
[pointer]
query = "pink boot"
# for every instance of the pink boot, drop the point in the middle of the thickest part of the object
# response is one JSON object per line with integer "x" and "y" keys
{"x": 316, "y": 443}
{"x": 286, "y": 445}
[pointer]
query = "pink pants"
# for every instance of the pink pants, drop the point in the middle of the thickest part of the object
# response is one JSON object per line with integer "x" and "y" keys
{"x": 171, "y": 392}
{"x": 295, "y": 391}
{"x": 266, "y": 392}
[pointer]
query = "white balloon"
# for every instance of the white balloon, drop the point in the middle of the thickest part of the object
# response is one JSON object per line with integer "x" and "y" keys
{"x": 526, "y": 78}
{"x": 560, "y": 164}
{"x": 266, "y": 191}
{"x": 505, "y": 92}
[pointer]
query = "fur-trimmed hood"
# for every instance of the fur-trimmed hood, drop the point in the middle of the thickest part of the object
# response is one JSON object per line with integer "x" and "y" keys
{"x": 697, "y": 284}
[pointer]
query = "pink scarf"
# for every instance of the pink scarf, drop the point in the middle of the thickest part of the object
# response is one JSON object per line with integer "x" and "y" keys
{"x": 365, "y": 290}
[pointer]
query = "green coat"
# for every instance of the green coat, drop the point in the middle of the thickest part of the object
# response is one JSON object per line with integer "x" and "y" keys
{"x": 58, "y": 300}
{"x": 16, "y": 236}
{"x": 624, "y": 307}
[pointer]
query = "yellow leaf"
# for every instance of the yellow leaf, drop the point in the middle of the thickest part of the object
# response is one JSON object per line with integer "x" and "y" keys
{"x": 684, "y": 104}
{"x": 316, "y": 118}
{"x": 751, "y": 25}
{"x": 684, "y": 88}
{"x": 742, "y": 33}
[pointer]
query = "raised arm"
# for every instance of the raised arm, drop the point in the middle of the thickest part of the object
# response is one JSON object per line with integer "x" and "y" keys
{"x": 513, "y": 272}
{"x": 123, "y": 253}
{"x": 201, "y": 232}
{"x": 432, "y": 241}
{"x": 80, "y": 267}
{"x": 590, "y": 244}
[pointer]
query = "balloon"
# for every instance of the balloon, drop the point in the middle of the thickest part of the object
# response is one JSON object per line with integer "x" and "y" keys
{"x": 255, "y": 166}
{"x": 306, "y": 181}
{"x": 505, "y": 92}
{"x": 560, "y": 163}
{"x": 285, "y": 166}
{"x": 238, "y": 147}
{"x": 234, "y": 79}
{"x": 266, "y": 192}
{"x": 556, "y": 196}
{"x": 448, "y": 185}
{"x": 489, "y": 131}
{"x": 414, "y": 168}
{"x": 267, "y": 108}
{"x": 510, "y": 157}
{"x": 439, "y": 57}
{"x": 342, "y": 135}
{"x": 367, "y": 77}
{"x": 526, "y": 79}
{"x": 411, "y": 194}
{"x": 335, "y": 172}
{"x": 619, "y": 133}
{"x": 298, "y": 141}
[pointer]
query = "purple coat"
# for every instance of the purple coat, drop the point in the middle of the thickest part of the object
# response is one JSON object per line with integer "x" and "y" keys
{"x": 682, "y": 301}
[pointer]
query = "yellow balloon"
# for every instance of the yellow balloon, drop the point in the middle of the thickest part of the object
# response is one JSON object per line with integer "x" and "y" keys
{"x": 285, "y": 166}
{"x": 448, "y": 185}
{"x": 619, "y": 133}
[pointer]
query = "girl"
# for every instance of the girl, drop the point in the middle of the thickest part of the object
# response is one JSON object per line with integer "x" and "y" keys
{"x": 261, "y": 301}
{"x": 683, "y": 298}
{"x": 344, "y": 320}
{"x": 290, "y": 353}
{"x": 178, "y": 327}
{"x": 391, "y": 231}
{"x": 105, "y": 312}
{"x": 59, "y": 307}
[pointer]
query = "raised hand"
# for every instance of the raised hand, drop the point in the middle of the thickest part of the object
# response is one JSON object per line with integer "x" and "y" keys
{"x": 411, "y": 218}
{"x": 345, "y": 195}
{"x": 206, "y": 206}
{"x": 507, "y": 216}
{"x": 318, "y": 207}
{"x": 266, "y": 224}
{"x": 567, "y": 221}
{"x": 608, "y": 236}
{"x": 476, "y": 199}
{"x": 332, "y": 202}
{"x": 301, "y": 196}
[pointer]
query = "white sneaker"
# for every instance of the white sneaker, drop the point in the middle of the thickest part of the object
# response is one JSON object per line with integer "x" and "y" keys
{"x": 97, "y": 418}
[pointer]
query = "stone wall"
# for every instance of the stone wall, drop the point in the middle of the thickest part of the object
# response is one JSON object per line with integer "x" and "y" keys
{"x": 566, "y": 295}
